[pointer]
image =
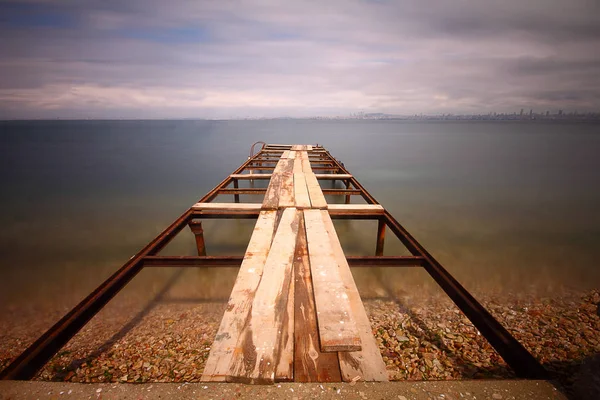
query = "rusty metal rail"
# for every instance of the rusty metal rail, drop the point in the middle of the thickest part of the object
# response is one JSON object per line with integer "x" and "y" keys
{"x": 41, "y": 351}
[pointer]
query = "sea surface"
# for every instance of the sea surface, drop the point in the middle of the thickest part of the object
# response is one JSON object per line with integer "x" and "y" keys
{"x": 507, "y": 207}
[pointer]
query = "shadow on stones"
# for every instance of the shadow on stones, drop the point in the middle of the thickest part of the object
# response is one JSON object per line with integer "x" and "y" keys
{"x": 465, "y": 367}
{"x": 159, "y": 298}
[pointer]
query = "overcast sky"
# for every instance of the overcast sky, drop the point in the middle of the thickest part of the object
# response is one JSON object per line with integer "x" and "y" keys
{"x": 221, "y": 59}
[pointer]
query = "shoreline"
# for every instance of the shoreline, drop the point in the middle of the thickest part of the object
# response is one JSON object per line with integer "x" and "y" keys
{"x": 420, "y": 339}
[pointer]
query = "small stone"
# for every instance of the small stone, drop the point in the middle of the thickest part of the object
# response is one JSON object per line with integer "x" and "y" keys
{"x": 496, "y": 396}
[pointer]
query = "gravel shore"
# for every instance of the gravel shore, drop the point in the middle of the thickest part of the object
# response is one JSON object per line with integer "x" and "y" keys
{"x": 428, "y": 339}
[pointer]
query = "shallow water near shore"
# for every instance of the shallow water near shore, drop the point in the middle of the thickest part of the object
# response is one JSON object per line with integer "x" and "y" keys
{"x": 505, "y": 207}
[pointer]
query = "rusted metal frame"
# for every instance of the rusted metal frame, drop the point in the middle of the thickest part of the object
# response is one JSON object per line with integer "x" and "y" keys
{"x": 511, "y": 350}
{"x": 30, "y": 361}
{"x": 236, "y": 261}
{"x": 210, "y": 196}
{"x": 267, "y": 168}
{"x": 238, "y": 191}
{"x": 250, "y": 214}
{"x": 26, "y": 365}
{"x": 365, "y": 194}
{"x": 380, "y": 236}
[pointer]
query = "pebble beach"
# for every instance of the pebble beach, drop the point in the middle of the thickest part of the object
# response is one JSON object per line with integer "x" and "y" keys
{"x": 429, "y": 339}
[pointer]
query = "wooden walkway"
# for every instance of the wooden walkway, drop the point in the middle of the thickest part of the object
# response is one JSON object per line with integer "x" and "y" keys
{"x": 294, "y": 313}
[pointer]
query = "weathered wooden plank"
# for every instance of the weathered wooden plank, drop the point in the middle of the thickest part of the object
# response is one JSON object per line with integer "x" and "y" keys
{"x": 286, "y": 190}
{"x": 337, "y": 328}
{"x": 310, "y": 363}
{"x": 240, "y": 301}
{"x": 357, "y": 208}
{"x": 284, "y": 372}
{"x": 284, "y": 165}
{"x": 366, "y": 364}
{"x": 292, "y": 154}
{"x": 271, "y": 199}
{"x": 227, "y": 206}
{"x": 298, "y": 165}
{"x": 301, "y": 191}
{"x": 306, "y": 168}
{"x": 309, "y": 147}
{"x": 317, "y": 200}
{"x": 258, "y": 347}
{"x": 286, "y": 154}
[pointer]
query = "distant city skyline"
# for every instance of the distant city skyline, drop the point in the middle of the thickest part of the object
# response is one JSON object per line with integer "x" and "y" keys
{"x": 263, "y": 59}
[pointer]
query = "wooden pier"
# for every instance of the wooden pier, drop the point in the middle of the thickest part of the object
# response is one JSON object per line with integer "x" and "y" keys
{"x": 294, "y": 313}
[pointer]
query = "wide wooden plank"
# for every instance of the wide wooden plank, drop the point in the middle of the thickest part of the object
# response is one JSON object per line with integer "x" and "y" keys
{"x": 284, "y": 165}
{"x": 271, "y": 199}
{"x": 286, "y": 190}
{"x": 227, "y": 206}
{"x": 337, "y": 329}
{"x": 240, "y": 301}
{"x": 286, "y": 154}
{"x": 301, "y": 191}
{"x": 310, "y": 363}
{"x": 306, "y": 168}
{"x": 357, "y": 208}
{"x": 284, "y": 372}
{"x": 292, "y": 154}
{"x": 258, "y": 347}
{"x": 309, "y": 147}
{"x": 366, "y": 364}
{"x": 317, "y": 200}
{"x": 297, "y": 165}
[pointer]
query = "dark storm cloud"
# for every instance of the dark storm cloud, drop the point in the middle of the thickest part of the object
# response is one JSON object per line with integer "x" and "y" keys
{"x": 237, "y": 58}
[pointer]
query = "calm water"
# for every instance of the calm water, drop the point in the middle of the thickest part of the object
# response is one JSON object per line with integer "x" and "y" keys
{"x": 504, "y": 206}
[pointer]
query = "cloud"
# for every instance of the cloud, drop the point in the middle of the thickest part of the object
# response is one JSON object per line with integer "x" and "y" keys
{"x": 231, "y": 58}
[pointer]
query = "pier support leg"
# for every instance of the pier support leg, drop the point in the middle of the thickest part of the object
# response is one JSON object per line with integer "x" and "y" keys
{"x": 196, "y": 227}
{"x": 347, "y": 187}
{"x": 380, "y": 237}
{"x": 236, "y": 185}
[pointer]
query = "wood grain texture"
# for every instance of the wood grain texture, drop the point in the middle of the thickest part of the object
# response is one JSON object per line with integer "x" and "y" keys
{"x": 337, "y": 328}
{"x": 284, "y": 165}
{"x": 306, "y": 168}
{"x": 292, "y": 154}
{"x": 317, "y": 200}
{"x": 240, "y": 301}
{"x": 284, "y": 372}
{"x": 366, "y": 364}
{"x": 286, "y": 190}
{"x": 310, "y": 363}
{"x": 301, "y": 192}
{"x": 298, "y": 165}
{"x": 258, "y": 347}
{"x": 271, "y": 199}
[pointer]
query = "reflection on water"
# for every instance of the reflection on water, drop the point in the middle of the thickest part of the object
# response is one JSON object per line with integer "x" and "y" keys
{"x": 503, "y": 206}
